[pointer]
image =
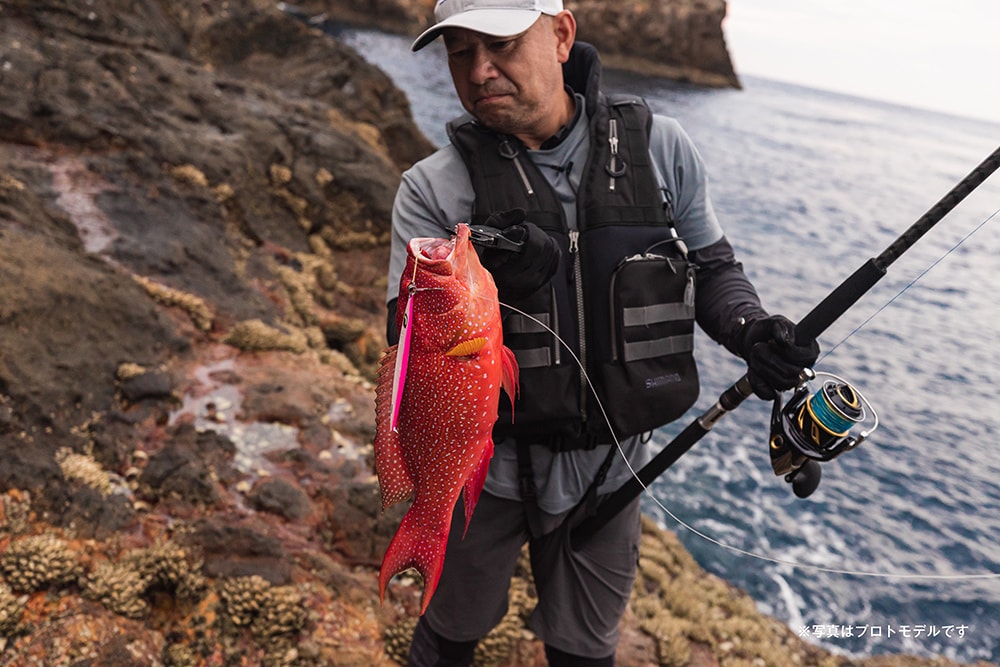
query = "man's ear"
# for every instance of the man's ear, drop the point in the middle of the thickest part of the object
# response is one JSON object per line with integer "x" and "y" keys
{"x": 564, "y": 26}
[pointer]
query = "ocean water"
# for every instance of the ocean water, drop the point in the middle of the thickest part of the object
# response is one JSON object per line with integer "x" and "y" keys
{"x": 899, "y": 548}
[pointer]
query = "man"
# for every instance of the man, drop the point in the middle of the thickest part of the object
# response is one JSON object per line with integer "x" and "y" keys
{"x": 588, "y": 198}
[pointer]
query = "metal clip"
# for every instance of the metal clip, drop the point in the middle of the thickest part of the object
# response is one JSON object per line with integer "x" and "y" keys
{"x": 491, "y": 237}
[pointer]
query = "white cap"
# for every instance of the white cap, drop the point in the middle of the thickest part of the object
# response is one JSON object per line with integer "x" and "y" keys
{"x": 500, "y": 18}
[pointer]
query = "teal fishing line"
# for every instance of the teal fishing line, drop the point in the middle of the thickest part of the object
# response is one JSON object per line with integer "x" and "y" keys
{"x": 827, "y": 415}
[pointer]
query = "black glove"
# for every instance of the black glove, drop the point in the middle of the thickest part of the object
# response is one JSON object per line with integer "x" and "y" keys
{"x": 521, "y": 272}
{"x": 774, "y": 359}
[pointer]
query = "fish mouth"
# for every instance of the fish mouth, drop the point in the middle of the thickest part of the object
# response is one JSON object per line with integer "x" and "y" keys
{"x": 438, "y": 251}
{"x": 433, "y": 249}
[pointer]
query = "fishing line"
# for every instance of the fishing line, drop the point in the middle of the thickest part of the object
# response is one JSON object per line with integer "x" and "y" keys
{"x": 910, "y": 284}
{"x": 719, "y": 543}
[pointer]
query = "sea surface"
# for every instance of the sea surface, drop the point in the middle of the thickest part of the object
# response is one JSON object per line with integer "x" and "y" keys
{"x": 899, "y": 548}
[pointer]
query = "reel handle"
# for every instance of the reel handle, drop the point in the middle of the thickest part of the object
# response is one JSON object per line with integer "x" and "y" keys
{"x": 806, "y": 479}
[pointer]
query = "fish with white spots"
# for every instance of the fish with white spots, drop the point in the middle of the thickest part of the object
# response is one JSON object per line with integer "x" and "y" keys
{"x": 436, "y": 401}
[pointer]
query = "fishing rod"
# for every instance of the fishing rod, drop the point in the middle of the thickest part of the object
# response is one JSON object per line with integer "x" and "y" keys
{"x": 836, "y": 406}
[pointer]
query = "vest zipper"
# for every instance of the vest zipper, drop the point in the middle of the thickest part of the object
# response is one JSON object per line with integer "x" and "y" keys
{"x": 524, "y": 176}
{"x": 511, "y": 153}
{"x": 574, "y": 251}
{"x": 613, "y": 143}
{"x": 557, "y": 346}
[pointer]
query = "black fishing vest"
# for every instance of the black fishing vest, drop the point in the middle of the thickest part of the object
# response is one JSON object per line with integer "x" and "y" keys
{"x": 622, "y": 300}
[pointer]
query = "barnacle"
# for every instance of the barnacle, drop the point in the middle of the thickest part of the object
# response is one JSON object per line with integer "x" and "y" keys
{"x": 122, "y": 586}
{"x": 36, "y": 562}
{"x": 323, "y": 176}
{"x": 84, "y": 469}
{"x": 679, "y": 605}
{"x": 15, "y": 511}
{"x": 196, "y": 308}
{"x": 281, "y": 612}
{"x": 190, "y": 174}
{"x": 243, "y": 598}
{"x": 128, "y": 370}
{"x": 300, "y": 294}
{"x": 179, "y": 655}
{"x": 668, "y": 631}
{"x": 167, "y": 565}
{"x": 255, "y": 335}
{"x": 223, "y": 192}
{"x": 280, "y": 652}
{"x": 119, "y": 588}
{"x": 280, "y": 174}
{"x": 275, "y": 615}
{"x": 10, "y": 611}
{"x": 10, "y": 184}
{"x": 397, "y": 638}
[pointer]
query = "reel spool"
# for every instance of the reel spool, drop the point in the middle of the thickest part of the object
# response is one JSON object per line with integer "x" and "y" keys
{"x": 814, "y": 427}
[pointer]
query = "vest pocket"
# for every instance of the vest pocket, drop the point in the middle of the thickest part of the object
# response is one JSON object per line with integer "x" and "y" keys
{"x": 650, "y": 377}
{"x": 547, "y": 402}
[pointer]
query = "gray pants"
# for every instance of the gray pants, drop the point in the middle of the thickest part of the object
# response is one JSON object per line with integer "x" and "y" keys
{"x": 581, "y": 594}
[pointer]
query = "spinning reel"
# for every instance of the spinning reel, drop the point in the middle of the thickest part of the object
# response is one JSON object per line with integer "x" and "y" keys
{"x": 814, "y": 427}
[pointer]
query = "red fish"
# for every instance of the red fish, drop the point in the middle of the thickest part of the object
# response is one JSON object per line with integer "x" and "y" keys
{"x": 437, "y": 398}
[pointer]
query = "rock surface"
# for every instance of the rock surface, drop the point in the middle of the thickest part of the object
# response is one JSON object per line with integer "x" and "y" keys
{"x": 677, "y": 39}
{"x": 194, "y": 211}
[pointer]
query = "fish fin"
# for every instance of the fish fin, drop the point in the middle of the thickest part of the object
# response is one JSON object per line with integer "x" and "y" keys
{"x": 511, "y": 375}
{"x": 419, "y": 546}
{"x": 474, "y": 485}
{"x": 394, "y": 479}
{"x": 467, "y": 347}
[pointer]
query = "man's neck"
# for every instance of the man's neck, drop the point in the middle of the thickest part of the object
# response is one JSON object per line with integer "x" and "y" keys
{"x": 565, "y": 111}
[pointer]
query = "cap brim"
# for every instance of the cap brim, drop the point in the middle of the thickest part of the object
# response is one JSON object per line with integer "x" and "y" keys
{"x": 495, "y": 22}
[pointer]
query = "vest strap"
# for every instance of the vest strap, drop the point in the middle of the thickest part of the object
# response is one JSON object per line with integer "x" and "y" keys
{"x": 648, "y": 349}
{"x": 644, "y": 316}
{"x": 536, "y": 357}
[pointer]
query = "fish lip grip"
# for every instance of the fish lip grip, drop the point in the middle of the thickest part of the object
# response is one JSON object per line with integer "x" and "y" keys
{"x": 492, "y": 237}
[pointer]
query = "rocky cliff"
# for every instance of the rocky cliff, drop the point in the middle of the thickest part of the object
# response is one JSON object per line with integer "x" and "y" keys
{"x": 677, "y": 39}
{"x": 194, "y": 209}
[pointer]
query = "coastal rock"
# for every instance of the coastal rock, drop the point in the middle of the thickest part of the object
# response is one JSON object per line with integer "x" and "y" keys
{"x": 194, "y": 218}
{"x": 675, "y": 39}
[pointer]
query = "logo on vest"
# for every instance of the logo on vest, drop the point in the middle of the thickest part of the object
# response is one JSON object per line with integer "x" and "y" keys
{"x": 660, "y": 380}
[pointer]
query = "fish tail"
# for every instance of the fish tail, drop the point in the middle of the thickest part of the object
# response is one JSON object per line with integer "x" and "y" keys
{"x": 419, "y": 546}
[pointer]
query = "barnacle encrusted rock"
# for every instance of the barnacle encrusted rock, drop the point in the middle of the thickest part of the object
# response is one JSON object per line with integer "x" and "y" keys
{"x": 281, "y": 652}
{"x": 123, "y": 586}
{"x": 243, "y": 598}
{"x": 119, "y": 588}
{"x": 196, "y": 308}
{"x": 275, "y": 614}
{"x": 179, "y": 655}
{"x": 169, "y": 566}
{"x": 15, "y": 511}
{"x": 11, "y": 610}
{"x": 281, "y": 613}
{"x": 37, "y": 562}
{"x": 190, "y": 174}
{"x": 397, "y": 638}
{"x": 255, "y": 335}
{"x": 128, "y": 370}
{"x": 84, "y": 469}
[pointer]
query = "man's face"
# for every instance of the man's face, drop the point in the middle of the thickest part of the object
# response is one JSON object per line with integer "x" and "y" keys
{"x": 510, "y": 84}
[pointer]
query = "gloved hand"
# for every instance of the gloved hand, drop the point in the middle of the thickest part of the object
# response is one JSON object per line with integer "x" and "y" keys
{"x": 774, "y": 359}
{"x": 519, "y": 273}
